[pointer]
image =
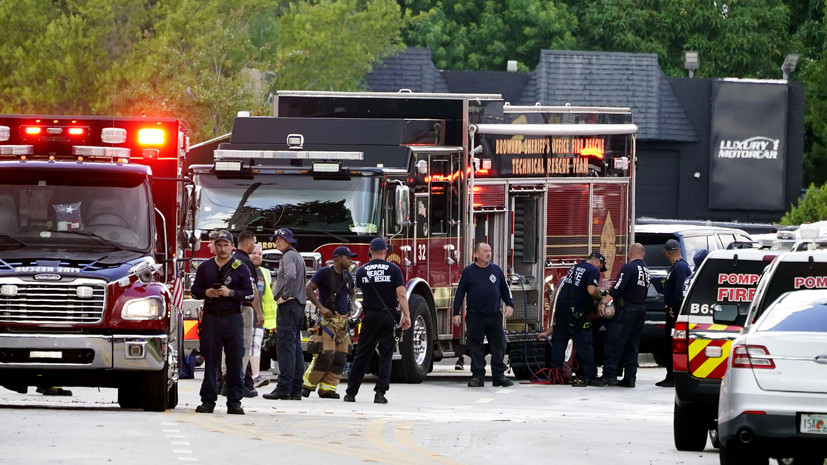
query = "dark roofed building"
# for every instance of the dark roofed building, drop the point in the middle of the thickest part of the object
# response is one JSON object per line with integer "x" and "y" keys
{"x": 674, "y": 117}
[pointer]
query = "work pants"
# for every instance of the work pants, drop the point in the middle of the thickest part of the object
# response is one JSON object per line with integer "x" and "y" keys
{"x": 327, "y": 367}
{"x": 376, "y": 330}
{"x": 580, "y": 334}
{"x": 478, "y": 327}
{"x": 217, "y": 331}
{"x": 289, "y": 320}
{"x": 623, "y": 341}
{"x": 667, "y": 343}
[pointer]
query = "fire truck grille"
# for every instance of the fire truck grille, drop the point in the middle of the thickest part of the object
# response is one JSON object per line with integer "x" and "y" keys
{"x": 52, "y": 303}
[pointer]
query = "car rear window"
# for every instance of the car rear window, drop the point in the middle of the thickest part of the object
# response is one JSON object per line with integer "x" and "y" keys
{"x": 653, "y": 243}
{"x": 792, "y": 276}
{"x": 723, "y": 281}
{"x": 809, "y": 318}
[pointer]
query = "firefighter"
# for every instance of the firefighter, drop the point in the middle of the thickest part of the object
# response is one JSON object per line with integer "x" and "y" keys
{"x": 672, "y": 298}
{"x": 383, "y": 289}
{"x": 336, "y": 288}
{"x": 625, "y": 328}
{"x": 290, "y": 294}
{"x": 225, "y": 283}
{"x": 484, "y": 287}
{"x": 574, "y": 300}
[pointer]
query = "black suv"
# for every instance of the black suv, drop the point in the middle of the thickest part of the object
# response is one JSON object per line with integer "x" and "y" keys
{"x": 692, "y": 239}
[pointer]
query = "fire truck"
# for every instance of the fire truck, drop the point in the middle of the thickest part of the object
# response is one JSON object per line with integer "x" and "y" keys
{"x": 89, "y": 214}
{"x": 434, "y": 174}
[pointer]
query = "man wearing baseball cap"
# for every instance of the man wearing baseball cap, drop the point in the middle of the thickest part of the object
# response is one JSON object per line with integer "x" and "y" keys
{"x": 225, "y": 283}
{"x": 290, "y": 295}
{"x": 571, "y": 318}
{"x": 336, "y": 289}
{"x": 672, "y": 298}
{"x": 383, "y": 294}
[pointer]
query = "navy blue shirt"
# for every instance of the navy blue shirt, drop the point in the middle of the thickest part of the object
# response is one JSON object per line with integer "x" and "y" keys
{"x": 245, "y": 259}
{"x": 379, "y": 276}
{"x": 238, "y": 279}
{"x": 581, "y": 276}
{"x": 632, "y": 283}
{"x": 673, "y": 288}
{"x": 343, "y": 284}
{"x": 482, "y": 289}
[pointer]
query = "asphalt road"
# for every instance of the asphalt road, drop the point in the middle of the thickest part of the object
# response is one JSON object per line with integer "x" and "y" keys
{"x": 440, "y": 421}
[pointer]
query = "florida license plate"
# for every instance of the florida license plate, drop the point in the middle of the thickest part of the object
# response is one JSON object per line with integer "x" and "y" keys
{"x": 814, "y": 423}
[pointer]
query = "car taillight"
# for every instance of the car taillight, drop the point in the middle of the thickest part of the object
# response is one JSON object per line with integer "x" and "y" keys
{"x": 680, "y": 344}
{"x": 751, "y": 356}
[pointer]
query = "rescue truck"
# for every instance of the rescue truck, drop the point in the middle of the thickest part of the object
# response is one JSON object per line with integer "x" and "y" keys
{"x": 434, "y": 174}
{"x": 89, "y": 209}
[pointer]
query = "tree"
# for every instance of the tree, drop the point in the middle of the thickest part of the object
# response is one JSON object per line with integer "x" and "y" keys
{"x": 332, "y": 45}
{"x": 811, "y": 208}
{"x": 735, "y": 38}
{"x": 472, "y": 35}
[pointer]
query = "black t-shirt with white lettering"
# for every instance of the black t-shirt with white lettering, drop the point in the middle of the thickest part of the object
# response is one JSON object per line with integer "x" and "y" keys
{"x": 379, "y": 276}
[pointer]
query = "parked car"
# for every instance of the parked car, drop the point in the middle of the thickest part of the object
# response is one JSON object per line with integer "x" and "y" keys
{"x": 773, "y": 399}
{"x": 700, "y": 346}
{"x": 692, "y": 239}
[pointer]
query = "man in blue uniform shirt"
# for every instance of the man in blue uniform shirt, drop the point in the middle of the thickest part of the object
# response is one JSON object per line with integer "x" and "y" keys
{"x": 623, "y": 335}
{"x": 225, "y": 283}
{"x": 672, "y": 299}
{"x": 483, "y": 285}
{"x": 571, "y": 317}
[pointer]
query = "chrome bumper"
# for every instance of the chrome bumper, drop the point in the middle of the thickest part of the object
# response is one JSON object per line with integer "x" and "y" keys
{"x": 50, "y": 351}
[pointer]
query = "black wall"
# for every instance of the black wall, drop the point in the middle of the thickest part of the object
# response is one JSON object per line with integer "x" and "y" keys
{"x": 666, "y": 186}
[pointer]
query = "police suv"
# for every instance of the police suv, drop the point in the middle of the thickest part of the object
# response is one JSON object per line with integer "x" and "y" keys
{"x": 700, "y": 345}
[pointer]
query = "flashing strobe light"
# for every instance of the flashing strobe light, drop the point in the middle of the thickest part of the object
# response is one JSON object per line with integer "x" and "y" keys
{"x": 105, "y": 152}
{"x": 113, "y": 135}
{"x": 16, "y": 150}
{"x": 5, "y": 133}
{"x": 151, "y": 154}
{"x": 322, "y": 167}
{"x": 151, "y": 136}
{"x": 76, "y": 131}
{"x": 33, "y": 130}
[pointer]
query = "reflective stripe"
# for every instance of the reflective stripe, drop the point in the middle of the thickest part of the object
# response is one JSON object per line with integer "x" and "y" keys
{"x": 702, "y": 366}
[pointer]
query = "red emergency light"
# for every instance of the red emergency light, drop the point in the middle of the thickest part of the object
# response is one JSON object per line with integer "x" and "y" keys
{"x": 33, "y": 130}
{"x": 76, "y": 131}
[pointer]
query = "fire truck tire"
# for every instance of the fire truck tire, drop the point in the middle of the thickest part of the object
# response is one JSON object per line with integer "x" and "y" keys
{"x": 417, "y": 345}
{"x": 173, "y": 397}
{"x": 689, "y": 428}
{"x": 129, "y": 395}
{"x": 154, "y": 390}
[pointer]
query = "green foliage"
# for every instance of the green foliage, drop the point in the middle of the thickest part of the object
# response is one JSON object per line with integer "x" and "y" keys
{"x": 811, "y": 208}
{"x": 472, "y": 35}
{"x": 736, "y": 38}
{"x": 332, "y": 44}
{"x": 198, "y": 60}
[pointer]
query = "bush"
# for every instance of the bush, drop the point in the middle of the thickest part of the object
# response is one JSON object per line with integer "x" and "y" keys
{"x": 811, "y": 207}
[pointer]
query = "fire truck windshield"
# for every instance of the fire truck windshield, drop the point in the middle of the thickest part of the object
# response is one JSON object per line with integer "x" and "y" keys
{"x": 44, "y": 208}
{"x": 270, "y": 202}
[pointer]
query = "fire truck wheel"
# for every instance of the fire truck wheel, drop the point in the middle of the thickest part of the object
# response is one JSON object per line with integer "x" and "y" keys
{"x": 689, "y": 428}
{"x": 416, "y": 347}
{"x": 129, "y": 395}
{"x": 154, "y": 390}
{"x": 173, "y": 397}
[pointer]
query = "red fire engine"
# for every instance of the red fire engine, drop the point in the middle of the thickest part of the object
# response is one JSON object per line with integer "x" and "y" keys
{"x": 88, "y": 244}
{"x": 433, "y": 173}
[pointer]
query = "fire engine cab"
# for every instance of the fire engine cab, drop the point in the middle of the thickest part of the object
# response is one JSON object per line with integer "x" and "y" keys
{"x": 88, "y": 223}
{"x": 434, "y": 174}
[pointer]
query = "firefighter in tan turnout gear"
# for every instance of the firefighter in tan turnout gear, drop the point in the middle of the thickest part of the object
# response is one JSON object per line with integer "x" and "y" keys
{"x": 330, "y": 336}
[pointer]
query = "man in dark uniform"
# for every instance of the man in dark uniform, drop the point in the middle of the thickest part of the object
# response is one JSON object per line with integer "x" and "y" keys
{"x": 672, "y": 299}
{"x": 336, "y": 288}
{"x": 623, "y": 335}
{"x": 290, "y": 294}
{"x": 571, "y": 320}
{"x": 383, "y": 289}
{"x": 483, "y": 285}
{"x": 225, "y": 284}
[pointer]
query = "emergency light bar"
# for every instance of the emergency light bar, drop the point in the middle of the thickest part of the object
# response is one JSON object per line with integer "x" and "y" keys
{"x": 100, "y": 152}
{"x": 286, "y": 155}
{"x": 16, "y": 150}
{"x": 151, "y": 136}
